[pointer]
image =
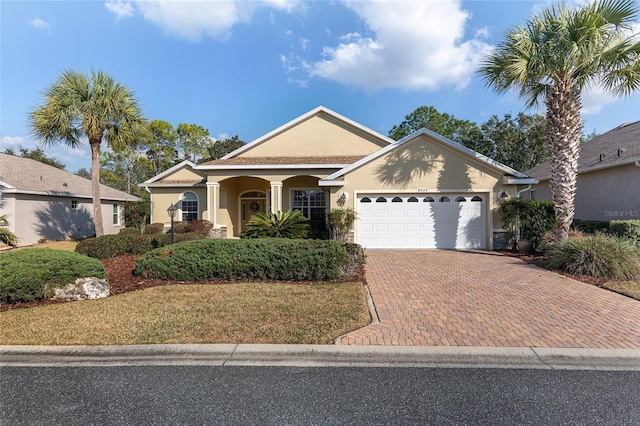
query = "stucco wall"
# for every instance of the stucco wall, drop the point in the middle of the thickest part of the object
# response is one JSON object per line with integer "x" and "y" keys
{"x": 34, "y": 217}
{"x": 608, "y": 194}
{"x": 162, "y": 198}
{"x": 426, "y": 166}
{"x": 320, "y": 135}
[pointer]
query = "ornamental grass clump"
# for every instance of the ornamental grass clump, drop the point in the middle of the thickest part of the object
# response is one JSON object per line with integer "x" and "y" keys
{"x": 599, "y": 256}
{"x": 34, "y": 274}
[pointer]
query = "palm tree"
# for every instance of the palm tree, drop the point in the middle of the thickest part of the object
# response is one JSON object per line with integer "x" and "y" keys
{"x": 94, "y": 106}
{"x": 7, "y": 237}
{"x": 552, "y": 59}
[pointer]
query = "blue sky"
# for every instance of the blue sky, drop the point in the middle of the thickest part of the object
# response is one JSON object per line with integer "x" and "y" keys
{"x": 246, "y": 68}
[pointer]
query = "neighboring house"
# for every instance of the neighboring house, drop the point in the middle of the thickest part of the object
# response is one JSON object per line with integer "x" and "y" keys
{"x": 608, "y": 176}
{"x": 424, "y": 191}
{"x": 41, "y": 201}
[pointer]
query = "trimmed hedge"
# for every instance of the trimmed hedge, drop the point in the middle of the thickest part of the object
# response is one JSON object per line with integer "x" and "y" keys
{"x": 626, "y": 229}
{"x": 246, "y": 260}
{"x": 34, "y": 274}
{"x": 109, "y": 246}
{"x": 590, "y": 226}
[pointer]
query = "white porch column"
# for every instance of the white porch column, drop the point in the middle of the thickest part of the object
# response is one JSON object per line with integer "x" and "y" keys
{"x": 276, "y": 196}
{"x": 213, "y": 200}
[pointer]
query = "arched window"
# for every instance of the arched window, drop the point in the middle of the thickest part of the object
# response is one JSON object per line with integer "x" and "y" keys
{"x": 476, "y": 198}
{"x": 381, "y": 200}
{"x": 444, "y": 199}
{"x": 412, "y": 200}
{"x": 460, "y": 199}
{"x": 428, "y": 200}
{"x": 365, "y": 200}
{"x": 189, "y": 206}
{"x": 396, "y": 200}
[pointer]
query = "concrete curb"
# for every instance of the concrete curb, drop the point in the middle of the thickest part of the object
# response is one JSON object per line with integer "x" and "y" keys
{"x": 321, "y": 356}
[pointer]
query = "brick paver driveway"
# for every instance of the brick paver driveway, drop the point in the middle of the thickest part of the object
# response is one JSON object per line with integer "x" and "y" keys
{"x": 452, "y": 298}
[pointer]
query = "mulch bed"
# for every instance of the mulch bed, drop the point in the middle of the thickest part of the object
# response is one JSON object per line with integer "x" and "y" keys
{"x": 121, "y": 280}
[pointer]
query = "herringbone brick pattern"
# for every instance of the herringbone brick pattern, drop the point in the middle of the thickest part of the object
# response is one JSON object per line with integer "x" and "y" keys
{"x": 452, "y": 298}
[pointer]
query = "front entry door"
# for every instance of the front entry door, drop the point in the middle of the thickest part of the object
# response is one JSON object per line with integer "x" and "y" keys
{"x": 250, "y": 207}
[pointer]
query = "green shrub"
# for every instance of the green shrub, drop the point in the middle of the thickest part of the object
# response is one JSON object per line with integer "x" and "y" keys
{"x": 133, "y": 231}
{"x": 533, "y": 218}
{"x": 109, "y": 246}
{"x": 282, "y": 224}
{"x": 626, "y": 229}
{"x": 245, "y": 260}
{"x": 34, "y": 274}
{"x": 340, "y": 223}
{"x": 590, "y": 226}
{"x": 599, "y": 255}
{"x": 154, "y": 228}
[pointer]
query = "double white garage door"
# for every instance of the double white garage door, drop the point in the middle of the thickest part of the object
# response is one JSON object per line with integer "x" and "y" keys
{"x": 443, "y": 221}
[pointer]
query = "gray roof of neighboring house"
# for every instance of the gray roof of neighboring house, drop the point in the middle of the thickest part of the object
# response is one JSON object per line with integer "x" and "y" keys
{"x": 24, "y": 175}
{"x": 613, "y": 148}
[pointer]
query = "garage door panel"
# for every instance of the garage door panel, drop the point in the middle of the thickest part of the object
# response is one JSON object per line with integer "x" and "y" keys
{"x": 419, "y": 224}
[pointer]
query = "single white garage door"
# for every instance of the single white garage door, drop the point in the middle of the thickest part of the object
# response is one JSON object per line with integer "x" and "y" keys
{"x": 442, "y": 221}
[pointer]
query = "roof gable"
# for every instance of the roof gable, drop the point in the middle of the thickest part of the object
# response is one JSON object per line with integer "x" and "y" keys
{"x": 318, "y": 133}
{"x": 184, "y": 172}
{"x": 435, "y": 138}
{"x": 24, "y": 175}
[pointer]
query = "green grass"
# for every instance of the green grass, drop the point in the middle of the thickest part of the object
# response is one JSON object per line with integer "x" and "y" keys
{"x": 220, "y": 313}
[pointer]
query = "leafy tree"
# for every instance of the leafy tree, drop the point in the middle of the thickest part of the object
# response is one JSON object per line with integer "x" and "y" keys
{"x": 552, "y": 59}
{"x": 519, "y": 142}
{"x": 192, "y": 141}
{"x": 161, "y": 146}
{"x": 36, "y": 154}
{"x": 136, "y": 214}
{"x": 83, "y": 172}
{"x": 95, "y": 106}
{"x": 125, "y": 169}
{"x": 222, "y": 147}
{"x": 464, "y": 132}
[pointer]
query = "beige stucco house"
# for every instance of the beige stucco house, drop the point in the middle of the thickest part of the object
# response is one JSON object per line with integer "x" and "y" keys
{"x": 608, "y": 184}
{"x": 424, "y": 191}
{"x": 43, "y": 202}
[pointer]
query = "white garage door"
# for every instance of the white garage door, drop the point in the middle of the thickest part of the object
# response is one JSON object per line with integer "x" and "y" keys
{"x": 422, "y": 220}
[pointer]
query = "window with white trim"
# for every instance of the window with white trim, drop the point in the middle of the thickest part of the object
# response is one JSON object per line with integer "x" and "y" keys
{"x": 74, "y": 204}
{"x": 116, "y": 214}
{"x": 189, "y": 207}
{"x": 311, "y": 202}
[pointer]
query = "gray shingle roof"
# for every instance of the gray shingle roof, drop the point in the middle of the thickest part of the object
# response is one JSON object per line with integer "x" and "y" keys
{"x": 26, "y": 175}
{"x": 613, "y": 148}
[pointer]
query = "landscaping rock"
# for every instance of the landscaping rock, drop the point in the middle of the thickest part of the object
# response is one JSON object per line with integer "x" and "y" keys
{"x": 82, "y": 289}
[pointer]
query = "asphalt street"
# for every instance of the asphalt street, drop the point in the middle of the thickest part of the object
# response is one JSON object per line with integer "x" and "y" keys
{"x": 189, "y": 395}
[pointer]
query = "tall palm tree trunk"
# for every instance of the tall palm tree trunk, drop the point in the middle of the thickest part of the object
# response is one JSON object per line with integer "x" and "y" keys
{"x": 95, "y": 185}
{"x": 564, "y": 131}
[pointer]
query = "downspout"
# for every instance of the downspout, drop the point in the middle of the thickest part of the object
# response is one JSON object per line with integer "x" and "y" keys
{"x": 150, "y": 208}
{"x": 529, "y": 187}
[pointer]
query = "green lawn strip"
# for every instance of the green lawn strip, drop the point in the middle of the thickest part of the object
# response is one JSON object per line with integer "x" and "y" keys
{"x": 201, "y": 313}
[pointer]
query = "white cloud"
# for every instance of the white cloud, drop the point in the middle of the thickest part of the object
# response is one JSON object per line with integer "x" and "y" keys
{"x": 41, "y": 24}
{"x": 121, "y": 8}
{"x": 192, "y": 20}
{"x": 10, "y": 142}
{"x": 414, "y": 45}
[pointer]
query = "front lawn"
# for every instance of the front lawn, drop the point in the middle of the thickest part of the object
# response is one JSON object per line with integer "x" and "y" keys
{"x": 315, "y": 313}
